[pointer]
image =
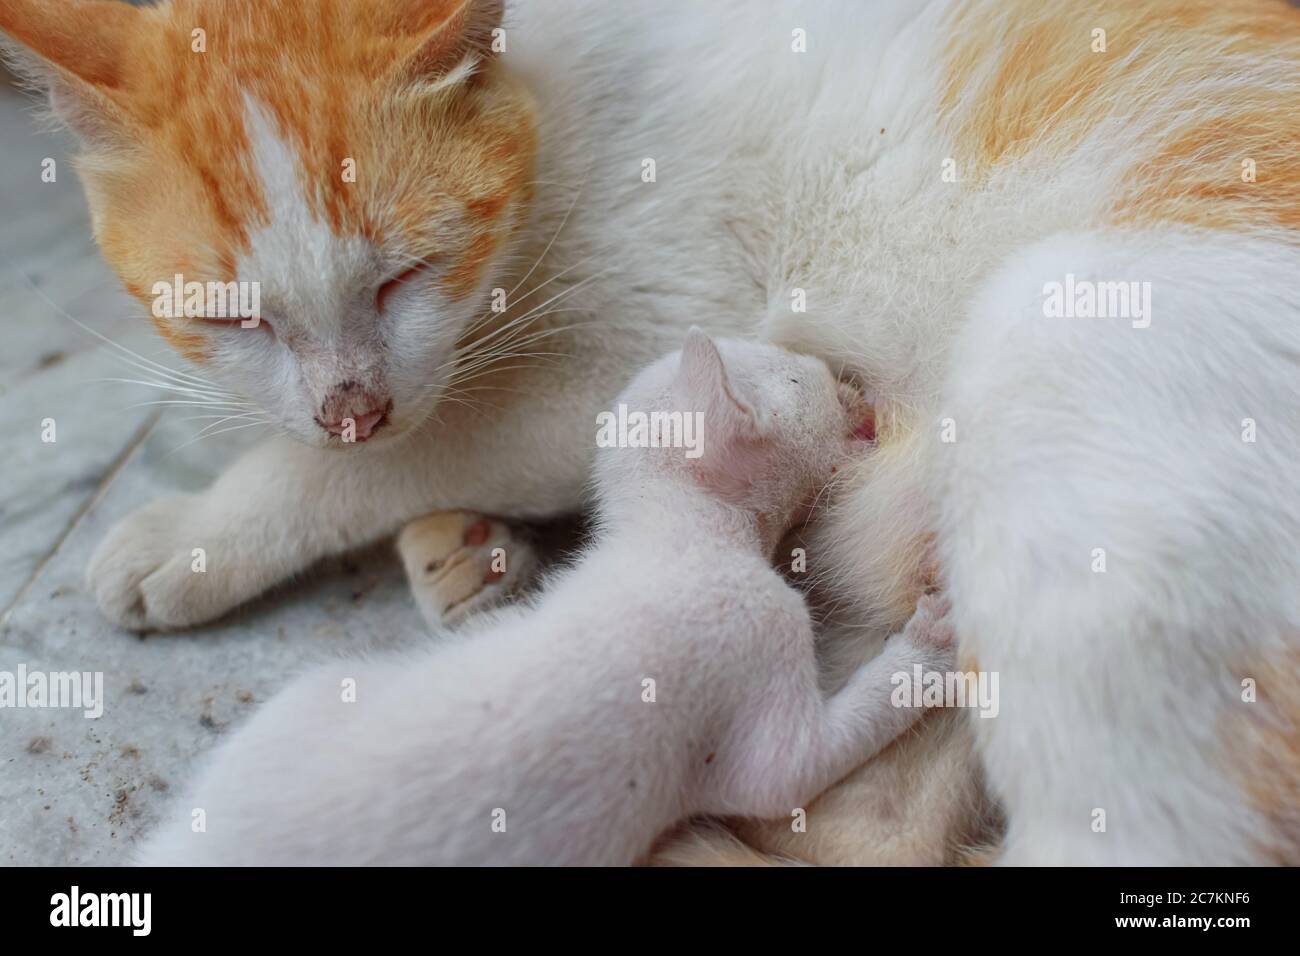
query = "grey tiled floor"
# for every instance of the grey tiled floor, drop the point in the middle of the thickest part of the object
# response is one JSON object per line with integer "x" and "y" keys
{"x": 74, "y": 790}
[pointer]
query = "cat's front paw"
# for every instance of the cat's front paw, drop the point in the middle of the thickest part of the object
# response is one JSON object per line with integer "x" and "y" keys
{"x": 459, "y": 563}
{"x": 150, "y": 574}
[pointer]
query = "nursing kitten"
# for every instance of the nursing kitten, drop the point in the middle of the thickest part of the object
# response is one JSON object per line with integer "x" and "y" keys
{"x": 670, "y": 672}
{"x": 894, "y": 186}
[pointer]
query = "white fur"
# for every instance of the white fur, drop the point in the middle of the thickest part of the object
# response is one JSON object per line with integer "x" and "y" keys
{"x": 654, "y": 680}
{"x": 1118, "y": 687}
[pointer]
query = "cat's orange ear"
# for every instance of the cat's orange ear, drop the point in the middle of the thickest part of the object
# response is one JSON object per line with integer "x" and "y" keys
{"x": 445, "y": 31}
{"x": 75, "y": 50}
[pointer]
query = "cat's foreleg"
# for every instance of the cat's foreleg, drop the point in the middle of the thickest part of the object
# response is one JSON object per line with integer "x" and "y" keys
{"x": 285, "y": 505}
{"x": 186, "y": 559}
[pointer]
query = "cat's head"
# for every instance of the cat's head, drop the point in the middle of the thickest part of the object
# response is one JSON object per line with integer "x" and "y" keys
{"x": 358, "y": 167}
{"x": 768, "y": 427}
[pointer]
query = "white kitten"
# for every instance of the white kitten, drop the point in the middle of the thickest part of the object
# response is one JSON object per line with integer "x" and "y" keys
{"x": 670, "y": 673}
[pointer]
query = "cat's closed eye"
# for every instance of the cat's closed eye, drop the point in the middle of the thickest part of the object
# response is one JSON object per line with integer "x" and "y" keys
{"x": 395, "y": 283}
{"x": 260, "y": 322}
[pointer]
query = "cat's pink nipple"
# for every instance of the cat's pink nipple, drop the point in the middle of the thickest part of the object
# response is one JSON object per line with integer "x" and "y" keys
{"x": 866, "y": 427}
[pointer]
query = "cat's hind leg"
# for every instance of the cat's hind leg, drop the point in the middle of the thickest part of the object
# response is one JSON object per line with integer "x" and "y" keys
{"x": 1120, "y": 536}
{"x": 459, "y": 563}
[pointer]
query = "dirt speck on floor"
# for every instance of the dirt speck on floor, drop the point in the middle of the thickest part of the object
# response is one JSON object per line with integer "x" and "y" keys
{"x": 121, "y": 800}
{"x": 39, "y": 745}
{"x": 206, "y": 720}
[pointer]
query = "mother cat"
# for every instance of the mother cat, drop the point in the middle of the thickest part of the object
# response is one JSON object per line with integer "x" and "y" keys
{"x": 908, "y": 189}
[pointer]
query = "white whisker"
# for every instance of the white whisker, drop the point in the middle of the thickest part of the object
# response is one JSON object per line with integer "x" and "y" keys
{"x": 101, "y": 336}
{"x": 232, "y": 428}
{"x": 558, "y": 229}
{"x": 487, "y": 316}
{"x": 513, "y": 324}
{"x": 177, "y": 401}
{"x": 199, "y": 393}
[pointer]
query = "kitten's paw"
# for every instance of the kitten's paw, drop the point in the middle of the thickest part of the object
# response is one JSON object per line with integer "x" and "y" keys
{"x": 931, "y": 625}
{"x": 460, "y": 563}
{"x": 150, "y": 574}
{"x": 930, "y": 631}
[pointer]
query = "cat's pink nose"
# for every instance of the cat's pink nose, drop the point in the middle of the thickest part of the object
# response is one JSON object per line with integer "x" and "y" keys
{"x": 354, "y": 410}
{"x": 360, "y": 426}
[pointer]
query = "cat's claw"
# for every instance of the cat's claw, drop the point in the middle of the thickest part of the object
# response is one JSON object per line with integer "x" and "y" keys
{"x": 460, "y": 563}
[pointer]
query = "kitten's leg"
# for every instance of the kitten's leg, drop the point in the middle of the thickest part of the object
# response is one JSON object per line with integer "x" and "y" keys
{"x": 460, "y": 562}
{"x": 806, "y": 742}
{"x": 919, "y": 802}
{"x": 1121, "y": 541}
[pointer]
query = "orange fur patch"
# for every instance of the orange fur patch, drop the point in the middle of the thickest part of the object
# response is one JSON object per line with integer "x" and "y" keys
{"x": 1202, "y": 86}
{"x": 440, "y": 173}
{"x": 1263, "y": 740}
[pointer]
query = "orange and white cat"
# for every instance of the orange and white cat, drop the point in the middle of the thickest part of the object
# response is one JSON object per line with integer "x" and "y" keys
{"x": 1058, "y": 243}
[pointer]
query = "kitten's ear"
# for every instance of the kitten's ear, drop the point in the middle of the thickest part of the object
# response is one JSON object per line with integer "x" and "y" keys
{"x": 74, "y": 51}
{"x": 732, "y": 426}
{"x": 447, "y": 31}
{"x": 704, "y": 386}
